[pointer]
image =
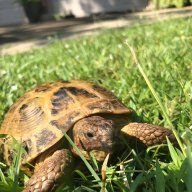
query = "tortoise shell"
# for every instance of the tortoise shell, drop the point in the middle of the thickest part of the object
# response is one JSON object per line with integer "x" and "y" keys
{"x": 39, "y": 118}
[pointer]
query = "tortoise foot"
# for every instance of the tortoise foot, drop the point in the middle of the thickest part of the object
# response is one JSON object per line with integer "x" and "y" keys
{"x": 147, "y": 134}
{"x": 49, "y": 172}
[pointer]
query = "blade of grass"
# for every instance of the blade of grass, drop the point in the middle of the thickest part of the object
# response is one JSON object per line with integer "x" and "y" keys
{"x": 154, "y": 93}
{"x": 149, "y": 84}
{"x": 173, "y": 153}
{"x": 94, "y": 161}
{"x": 103, "y": 172}
{"x": 2, "y": 176}
{"x": 160, "y": 180}
{"x": 123, "y": 174}
{"x": 189, "y": 172}
{"x": 17, "y": 163}
{"x": 137, "y": 181}
{"x": 83, "y": 189}
{"x": 81, "y": 174}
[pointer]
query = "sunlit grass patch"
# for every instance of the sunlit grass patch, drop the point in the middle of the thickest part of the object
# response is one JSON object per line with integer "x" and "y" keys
{"x": 164, "y": 51}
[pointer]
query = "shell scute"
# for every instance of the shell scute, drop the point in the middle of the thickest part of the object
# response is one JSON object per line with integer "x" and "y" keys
{"x": 64, "y": 123}
{"x": 30, "y": 114}
{"x": 60, "y": 100}
{"x": 80, "y": 92}
{"x": 103, "y": 91}
{"x": 43, "y": 138}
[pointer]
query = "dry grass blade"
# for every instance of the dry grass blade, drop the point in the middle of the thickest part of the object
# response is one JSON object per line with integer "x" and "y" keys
{"x": 125, "y": 180}
{"x": 154, "y": 93}
{"x": 103, "y": 171}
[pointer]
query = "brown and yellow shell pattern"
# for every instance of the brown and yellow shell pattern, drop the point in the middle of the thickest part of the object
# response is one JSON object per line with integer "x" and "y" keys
{"x": 39, "y": 118}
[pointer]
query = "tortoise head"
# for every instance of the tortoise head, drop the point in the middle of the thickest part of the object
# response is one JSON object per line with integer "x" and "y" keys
{"x": 94, "y": 134}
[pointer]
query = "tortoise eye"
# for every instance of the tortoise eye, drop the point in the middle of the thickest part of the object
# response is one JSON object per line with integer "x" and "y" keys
{"x": 90, "y": 135}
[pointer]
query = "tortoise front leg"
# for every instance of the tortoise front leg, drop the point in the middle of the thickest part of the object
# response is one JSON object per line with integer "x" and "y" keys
{"x": 147, "y": 134}
{"x": 48, "y": 172}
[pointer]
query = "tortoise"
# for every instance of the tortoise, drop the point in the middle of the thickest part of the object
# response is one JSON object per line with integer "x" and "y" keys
{"x": 91, "y": 115}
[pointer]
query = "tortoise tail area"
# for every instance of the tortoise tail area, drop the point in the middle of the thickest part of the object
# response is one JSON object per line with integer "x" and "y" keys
{"x": 147, "y": 134}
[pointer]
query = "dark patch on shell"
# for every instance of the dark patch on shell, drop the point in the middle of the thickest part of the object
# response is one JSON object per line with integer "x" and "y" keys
{"x": 61, "y": 93}
{"x": 11, "y": 155}
{"x": 107, "y": 106}
{"x": 44, "y": 138}
{"x": 117, "y": 104}
{"x": 60, "y": 100}
{"x": 27, "y": 145}
{"x": 55, "y": 124}
{"x": 66, "y": 122}
{"x": 42, "y": 88}
{"x": 22, "y": 108}
{"x": 70, "y": 119}
{"x": 64, "y": 81}
{"x": 78, "y": 92}
{"x": 102, "y": 90}
{"x": 54, "y": 111}
{"x": 104, "y": 105}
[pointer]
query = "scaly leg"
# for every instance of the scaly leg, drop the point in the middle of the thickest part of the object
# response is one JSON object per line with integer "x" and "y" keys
{"x": 48, "y": 172}
{"x": 147, "y": 134}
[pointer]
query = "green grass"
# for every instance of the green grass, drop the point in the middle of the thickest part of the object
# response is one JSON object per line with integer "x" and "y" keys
{"x": 161, "y": 94}
{"x": 171, "y": 3}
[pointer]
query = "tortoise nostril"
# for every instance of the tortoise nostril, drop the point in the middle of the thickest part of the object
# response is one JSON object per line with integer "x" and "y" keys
{"x": 90, "y": 135}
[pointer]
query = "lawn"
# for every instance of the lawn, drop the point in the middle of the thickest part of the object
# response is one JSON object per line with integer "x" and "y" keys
{"x": 161, "y": 95}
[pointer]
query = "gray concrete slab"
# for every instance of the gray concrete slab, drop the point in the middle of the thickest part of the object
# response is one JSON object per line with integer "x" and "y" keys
{"x": 17, "y": 39}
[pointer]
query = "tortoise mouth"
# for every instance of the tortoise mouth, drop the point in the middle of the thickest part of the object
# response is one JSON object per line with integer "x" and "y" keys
{"x": 105, "y": 146}
{"x": 99, "y": 152}
{"x": 108, "y": 147}
{"x": 99, "y": 155}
